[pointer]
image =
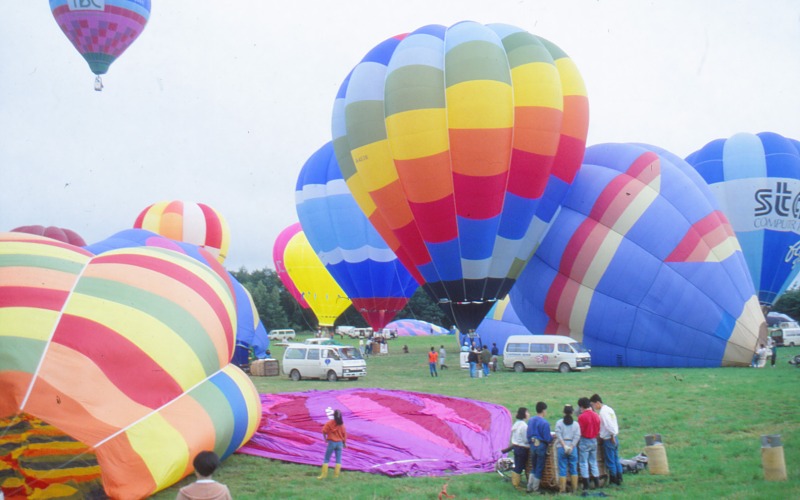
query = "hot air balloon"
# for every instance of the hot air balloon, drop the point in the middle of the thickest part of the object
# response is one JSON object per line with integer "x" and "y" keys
{"x": 642, "y": 267}
{"x": 57, "y": 233}
{"x": 465, "y": 140}
{"x": 126, "y": 354}
{"x": 347, "y": 244}
{"x": 315, "y": 283}
{"x": 500, "y": 323}
{"x": 193, "y": 223}
{"x": 101, "y": 30}
{"x": 756, "y": 180}
{"x": 278, "y": 257}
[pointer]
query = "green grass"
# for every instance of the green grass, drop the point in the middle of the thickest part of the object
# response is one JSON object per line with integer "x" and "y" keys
{"x": 711, "y": 421}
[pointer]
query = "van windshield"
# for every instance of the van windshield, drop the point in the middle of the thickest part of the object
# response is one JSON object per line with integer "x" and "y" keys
{"x": 579, "y": 347}
{"x": 350, "y": 353}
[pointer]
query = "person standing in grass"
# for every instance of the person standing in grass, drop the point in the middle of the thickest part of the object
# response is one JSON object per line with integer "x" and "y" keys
{"x": 520, "y": 444}
{"x": 442, "y": 356}
{"x": 568, "y": 434}
{"x": 609, "y": 429}
{"x": 205, "y": 488}
{"x": 433, "y": 358}
{"x": 539, "y": 437}
{"x": 486, "y": 358}
{"x": 589, "y": 423}
{"x": 472, "y": 358}
{"x": 335, "y": 435}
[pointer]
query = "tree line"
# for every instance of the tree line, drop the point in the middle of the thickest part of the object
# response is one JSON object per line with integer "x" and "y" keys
{"x": 277, "y": 308}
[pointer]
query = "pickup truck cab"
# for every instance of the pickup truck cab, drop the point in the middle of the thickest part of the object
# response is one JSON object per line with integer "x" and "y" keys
{"x": 330, "y": 362}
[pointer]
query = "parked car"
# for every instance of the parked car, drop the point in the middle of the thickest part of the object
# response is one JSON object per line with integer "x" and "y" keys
{"x": 786, "y": 333}
{"x": 330, "y": 362}
{"x": 545, "y": 352}
{"x": 286, "y": 334}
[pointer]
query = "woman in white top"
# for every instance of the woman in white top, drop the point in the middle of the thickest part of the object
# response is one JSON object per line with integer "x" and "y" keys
{"x": 519, "y": 440}
{"x": 568, "y": 433}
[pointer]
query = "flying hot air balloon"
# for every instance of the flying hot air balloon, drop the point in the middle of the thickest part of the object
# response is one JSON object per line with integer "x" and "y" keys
{"x": 194, "y": 223}
{"x": 101, "y": 30}
{"x": 347, "y": 244}
{"x": 279, "y": 257}
{"x": 464, "y": 139}
{"x": 315, "y": 283}
{"x": 756, "y": 180}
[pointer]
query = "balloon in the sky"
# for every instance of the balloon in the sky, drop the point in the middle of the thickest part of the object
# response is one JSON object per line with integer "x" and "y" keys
{"x": 347, "y": 244}
{"x": 464, "y": 141}
{"x": 756, "y": 180}
{"x": 278, "y": 257}
{"x": 194, "y": 223}
{"x": 101, "y": 30}
{"x": 57, "y": 233}
{"x": 390, "y": 432}
{"x": 642, "y": 266}
{"x": 128, "y": 353}
{"x": 315, "y": 283}
{"x": 250, "y": 331}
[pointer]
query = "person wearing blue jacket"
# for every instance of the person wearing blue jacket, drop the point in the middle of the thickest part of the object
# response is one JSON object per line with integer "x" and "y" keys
{"x": 539, "y": 436}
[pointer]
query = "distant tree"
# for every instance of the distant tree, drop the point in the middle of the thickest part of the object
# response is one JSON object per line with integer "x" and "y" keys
{"x": 788, "y": 303}
{"x": 423, "y": 308}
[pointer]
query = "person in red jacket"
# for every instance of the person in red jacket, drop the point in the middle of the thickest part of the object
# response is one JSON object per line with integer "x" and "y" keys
{"x": 589, "y": 422}
{"x": 335, "y": 434}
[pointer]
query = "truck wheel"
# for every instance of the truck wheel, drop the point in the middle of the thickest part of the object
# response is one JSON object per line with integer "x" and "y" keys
{"x": 332, "y": 376}
{"x": 791, "y": 344}
{"x": 519, "y": 367}
{"x": 563, "y": 368}
{"x": 295, "y": 376}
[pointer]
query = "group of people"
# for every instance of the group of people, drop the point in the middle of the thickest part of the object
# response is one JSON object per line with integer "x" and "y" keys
{"x": 481, "y": 359}
{"x": 575, "y": 442}
{"x": 770, "y": 350}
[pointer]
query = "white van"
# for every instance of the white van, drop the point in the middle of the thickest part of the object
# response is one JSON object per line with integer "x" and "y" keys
{"x": 281, "y": 334}
{"x": 545, "y": 352}
{"x": 330, "y": 362}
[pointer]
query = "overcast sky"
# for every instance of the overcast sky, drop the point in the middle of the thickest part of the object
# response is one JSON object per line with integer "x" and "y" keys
{"x": 222, "y": 102}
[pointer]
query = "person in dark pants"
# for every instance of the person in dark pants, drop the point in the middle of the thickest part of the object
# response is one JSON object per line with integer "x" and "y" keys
{"x": 539, "y": 437}
{"x": 433, "y": 358}
{"x": 521, "y": 444}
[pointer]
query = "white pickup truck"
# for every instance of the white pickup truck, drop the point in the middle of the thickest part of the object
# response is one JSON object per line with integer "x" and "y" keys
{"x": 786, "y": 333}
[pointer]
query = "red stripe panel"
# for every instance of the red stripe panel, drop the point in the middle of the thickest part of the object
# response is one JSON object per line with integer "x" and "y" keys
{"x": 436, "y": 220}
{"x": 575, "y": 245}
{"x": 378, "y": 311}
{"x": 180, "y": 274}
{"x": 607, "y": 207}
{"x": 413, "y": 244}
{"x": 213, "y": 226}
{"x": 479, "y": 198}
{"x": 645, "y": 168}
{"x": 700, "y": 239}
{"x": 529, "y": 174}
{"x": 568, "y": 158}
{"x": 140, "y": 218}
{"x": 123, "y": 362}
{"x": 40, "y": 298}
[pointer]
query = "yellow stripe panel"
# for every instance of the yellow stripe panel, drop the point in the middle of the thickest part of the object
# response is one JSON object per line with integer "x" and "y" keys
{"x": 478, "y": 104}
{"x": 417, "y": 133}
{"x": 162, "y": 449}
{"x": 537, "y": 84}
{"x": 27, "y": 322}
{"x": 374, "y": 165}
{"x": 154, "y": 338}
{"x": 152, "y": 218}
{"x": 361, "y": 195}
{"x": 41, "y": 248}
{"x": 571, "y": 81}
{"x": 251, "y": 398}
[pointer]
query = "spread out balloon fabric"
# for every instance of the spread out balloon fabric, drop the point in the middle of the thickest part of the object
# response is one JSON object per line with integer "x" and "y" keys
{"x": 278, "y": 254}
{"x": 325, "y": 297}
{"x": 250, "y": 331}
{"x": 127, "y": 352}
{"x": 194, "y": 223}
{"x": 390, "y": 432}
{"x": 642, "y": 266}
{"x": 57, "y": 233}
{"x": 458, "y": 144}
{"x": 101, "y": 30}
{"x": 416, "y": 328}
{"x": 756, "y": 180}
{"x": 347, "y": 244}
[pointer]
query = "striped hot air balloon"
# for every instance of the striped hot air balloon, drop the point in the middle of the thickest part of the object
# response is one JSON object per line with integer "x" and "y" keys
{"x": 458, "y": 144}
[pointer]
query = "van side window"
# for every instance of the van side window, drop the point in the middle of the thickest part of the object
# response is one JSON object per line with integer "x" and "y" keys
{"x": 313, "y": 354}
{"x": 564, "y": 348}
{"x": 542, "y": 348}
{"x": 295, "y": 353}
{"x": 517, "y": 348}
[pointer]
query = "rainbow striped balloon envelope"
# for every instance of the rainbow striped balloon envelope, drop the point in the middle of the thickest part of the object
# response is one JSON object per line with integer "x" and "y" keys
{"x": 416, "y": 328}
{"x": 458, "y": 144}
{"x": 390, "y": 432}
{"x": 642, "y": 266}
{"x": 127, "y": 352}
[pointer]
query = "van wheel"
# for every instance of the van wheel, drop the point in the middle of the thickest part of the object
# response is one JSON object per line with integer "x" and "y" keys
{"x": 563, "y": 368}
{"x": 519, "y": 367}
{"x": 332, "y": 376}
{"x": 791, "y": 344}
{"x": 295, "y": 376}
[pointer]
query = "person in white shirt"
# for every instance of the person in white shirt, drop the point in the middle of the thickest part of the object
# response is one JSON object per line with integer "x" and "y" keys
{"x": 519, "y": 440}
{"x": 609, "y": 430}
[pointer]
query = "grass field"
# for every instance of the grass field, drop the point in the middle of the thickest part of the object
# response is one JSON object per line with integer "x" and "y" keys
{"x": 711, "y": 421}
